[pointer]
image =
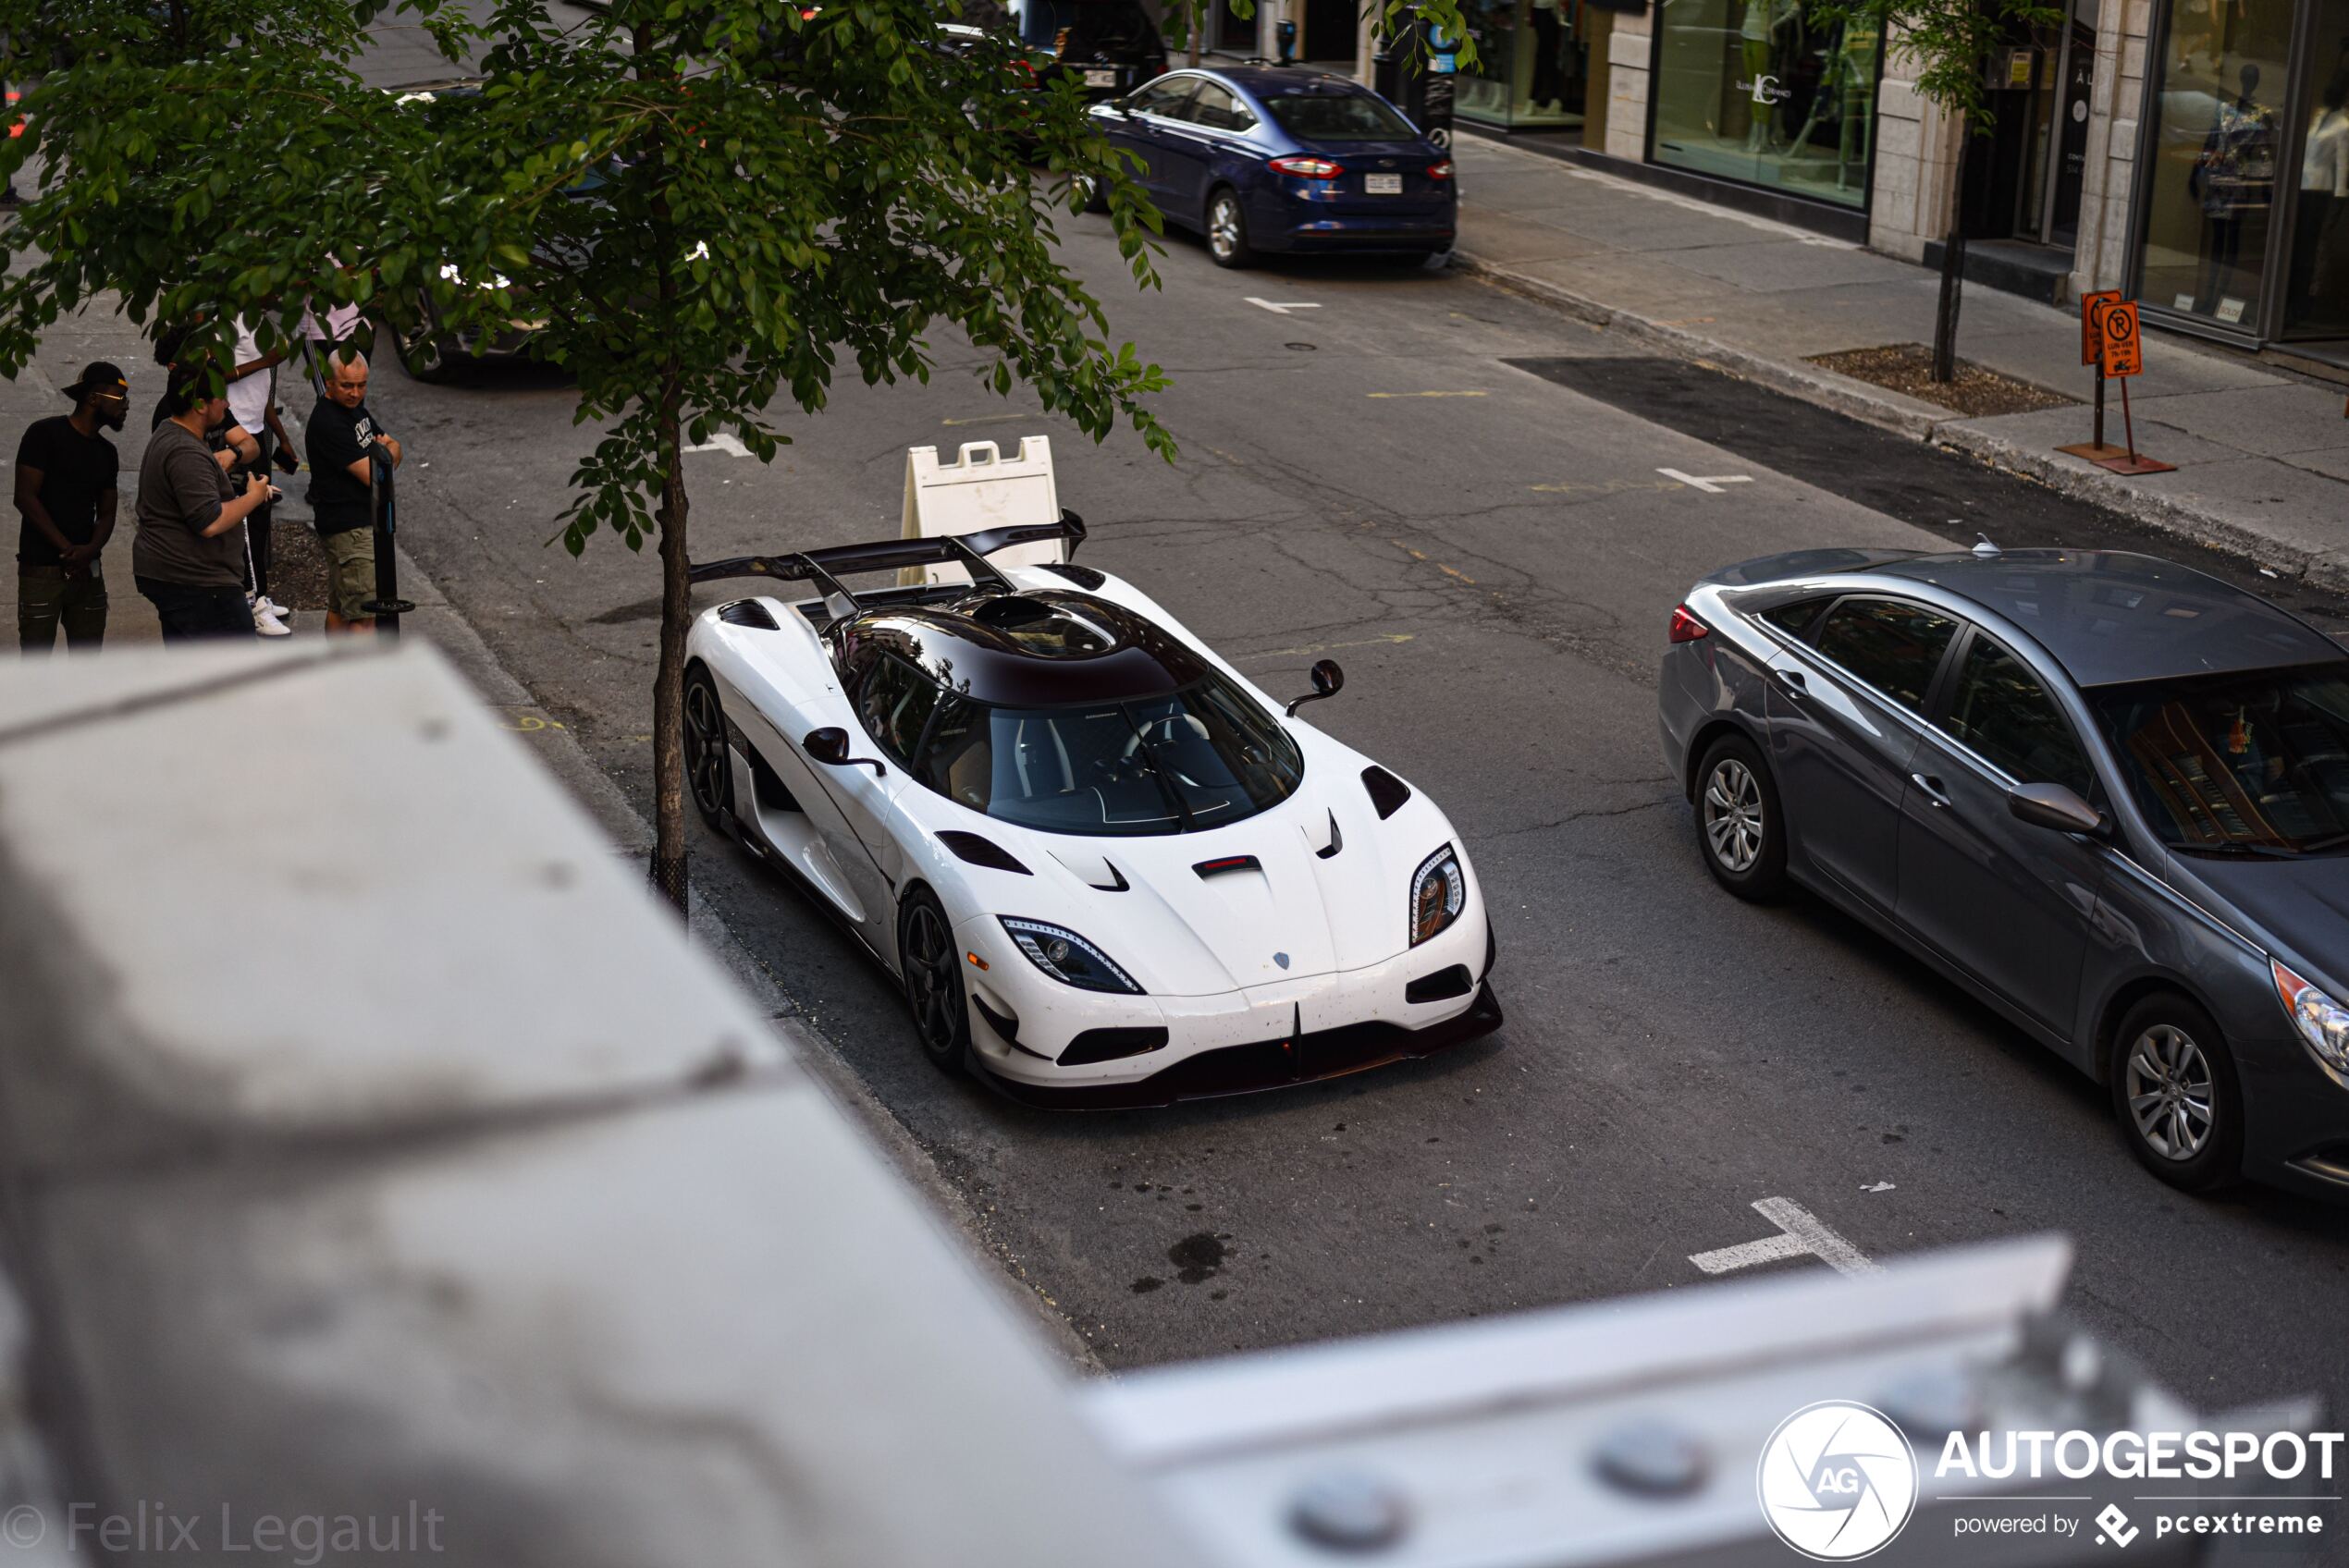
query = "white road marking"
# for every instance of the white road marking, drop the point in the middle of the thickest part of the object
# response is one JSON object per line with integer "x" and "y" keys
{"x": 1710, "y": 484}
{"x": 1769, "y": 1249}
{"x": 1800, "y": 1234}
{"x": 1879, "y": 1187}
{"x": 1281, "y": 308}
{"x": 721, "y": 442}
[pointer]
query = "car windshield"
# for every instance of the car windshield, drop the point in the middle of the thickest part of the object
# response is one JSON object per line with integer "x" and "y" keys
{"x": 2250, "y": 764}
{"x": 1184, "y": 763}
{"x": 1337, "y": 117}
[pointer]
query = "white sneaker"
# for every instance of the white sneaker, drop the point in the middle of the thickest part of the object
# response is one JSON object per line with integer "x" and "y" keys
{"x": 269, "y": 607}
{"x": 269, "y": 625}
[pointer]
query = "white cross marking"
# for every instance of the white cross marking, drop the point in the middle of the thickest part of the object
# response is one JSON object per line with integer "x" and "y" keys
{"x": 1800, "y": 1234}
{"x": 1711, "y": 486}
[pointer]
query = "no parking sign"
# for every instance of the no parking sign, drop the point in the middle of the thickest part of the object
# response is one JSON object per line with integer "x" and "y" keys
{"x": 2123, "y": 354}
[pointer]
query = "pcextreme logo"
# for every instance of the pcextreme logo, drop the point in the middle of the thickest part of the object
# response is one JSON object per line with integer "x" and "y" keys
{"x": 1836, "y": 1480}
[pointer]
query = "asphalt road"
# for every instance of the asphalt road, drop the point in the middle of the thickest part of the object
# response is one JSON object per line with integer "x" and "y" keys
{"x": 1493, "y": 555}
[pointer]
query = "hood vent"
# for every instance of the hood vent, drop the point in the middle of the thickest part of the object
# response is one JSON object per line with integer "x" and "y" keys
{"x": 982, "y": 851}
{"x": 746, "y": 612}
{"x": 1388, "y": 792}
{"x": 1222, "y": 864}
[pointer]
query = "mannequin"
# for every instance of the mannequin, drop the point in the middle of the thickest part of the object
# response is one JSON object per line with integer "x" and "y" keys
{"x": 1758, "y": 33}
{"x": 2319, "y": 291}
{"x": 1545, "y": 91}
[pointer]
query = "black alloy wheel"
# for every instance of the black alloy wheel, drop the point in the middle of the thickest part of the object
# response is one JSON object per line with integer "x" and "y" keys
{"x": 2176, "y": 1095}
{"x": 709, "y": 771}
{"x": 933, "y": 980}
{"x": 1739, "y": 826}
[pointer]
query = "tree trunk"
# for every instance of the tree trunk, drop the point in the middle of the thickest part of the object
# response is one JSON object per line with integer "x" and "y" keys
{"x": 1944, "y": 321}
{"x": 668, "y": 685}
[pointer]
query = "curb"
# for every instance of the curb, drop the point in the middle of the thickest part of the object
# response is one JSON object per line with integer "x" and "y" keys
{"x": 1922, "y": 422}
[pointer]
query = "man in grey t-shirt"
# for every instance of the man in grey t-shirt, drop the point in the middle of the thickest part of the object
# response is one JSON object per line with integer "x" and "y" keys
{"x": 188, "y": 558}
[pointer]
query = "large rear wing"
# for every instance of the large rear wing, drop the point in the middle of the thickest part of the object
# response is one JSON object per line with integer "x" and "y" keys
{"x": 824, "y": 568}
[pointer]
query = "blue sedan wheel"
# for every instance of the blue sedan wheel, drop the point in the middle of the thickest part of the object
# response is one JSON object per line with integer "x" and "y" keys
{"x": 1227, "y": 230}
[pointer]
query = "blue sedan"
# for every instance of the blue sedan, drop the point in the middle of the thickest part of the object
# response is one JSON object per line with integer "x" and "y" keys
{"x": 1261, "y": 158}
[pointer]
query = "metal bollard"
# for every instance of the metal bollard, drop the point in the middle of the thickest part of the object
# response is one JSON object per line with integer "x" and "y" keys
{"x": 387, "y": 606}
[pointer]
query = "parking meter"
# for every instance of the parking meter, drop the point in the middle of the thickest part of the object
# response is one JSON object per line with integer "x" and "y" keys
{"x": 1415, "y": 70}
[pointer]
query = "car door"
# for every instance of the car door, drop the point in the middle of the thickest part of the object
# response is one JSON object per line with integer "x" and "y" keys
{"x": 798, "y": 803}
{"x": 1211, "y": 122}
{"x": 1153, "y": 118}
{"x": 894, "y": 702}
{"x": 1845, "y": 712}
{"x": 2006, "y": 901}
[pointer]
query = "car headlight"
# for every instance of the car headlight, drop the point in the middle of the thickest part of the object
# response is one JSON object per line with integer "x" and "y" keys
{"x": 2322, "y": 1021}
{"x": 1068, "y": 957}
{"x": 1439, "y": 891}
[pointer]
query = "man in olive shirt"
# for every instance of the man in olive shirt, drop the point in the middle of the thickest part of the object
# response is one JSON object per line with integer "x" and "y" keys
{"x": 188, "y": 559}
{"x": 66, "y": 495}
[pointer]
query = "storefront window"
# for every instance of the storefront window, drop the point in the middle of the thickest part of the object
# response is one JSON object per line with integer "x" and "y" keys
{"x": 1776, "y": 92}
{"x": 2316, "y": 302}
{"x": 2217, "y": 142}
{"x": 1534, "y": 63}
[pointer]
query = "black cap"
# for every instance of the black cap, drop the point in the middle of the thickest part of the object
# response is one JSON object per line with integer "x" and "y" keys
{"x": 97, "y": 376}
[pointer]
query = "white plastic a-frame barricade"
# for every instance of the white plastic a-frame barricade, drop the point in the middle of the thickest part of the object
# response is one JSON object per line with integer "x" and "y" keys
{"x": 981, "y": 488}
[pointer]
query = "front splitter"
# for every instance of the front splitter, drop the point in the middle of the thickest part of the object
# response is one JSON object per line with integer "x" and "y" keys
{"x": 1260, "y": 1065}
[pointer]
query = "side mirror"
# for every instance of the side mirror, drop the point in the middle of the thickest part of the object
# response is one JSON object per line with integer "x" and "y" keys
{"x": 1329, "y": 680}
{"x": 830, "y": 746}
{"x": 2053, "y": 806}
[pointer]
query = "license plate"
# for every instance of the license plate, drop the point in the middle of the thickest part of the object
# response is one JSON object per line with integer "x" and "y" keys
{"x": 1382, "y": 183}
{"x": 1100, "y": 79}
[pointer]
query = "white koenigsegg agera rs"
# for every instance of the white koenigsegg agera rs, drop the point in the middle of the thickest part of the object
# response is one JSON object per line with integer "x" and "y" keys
{"x": 1106, "y": 869}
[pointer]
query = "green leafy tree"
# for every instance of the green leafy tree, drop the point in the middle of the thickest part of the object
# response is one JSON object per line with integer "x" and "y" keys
{"x": 1952, "y": 43}
{"x": 712, "y": 204}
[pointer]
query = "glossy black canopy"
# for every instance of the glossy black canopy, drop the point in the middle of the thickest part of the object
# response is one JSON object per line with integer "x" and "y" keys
{"x": 1037, "y": 649}
{"x": 2110, "y": 615}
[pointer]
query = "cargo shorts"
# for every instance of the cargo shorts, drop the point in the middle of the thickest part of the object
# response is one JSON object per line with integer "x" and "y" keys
{"x": 351, "y": 571}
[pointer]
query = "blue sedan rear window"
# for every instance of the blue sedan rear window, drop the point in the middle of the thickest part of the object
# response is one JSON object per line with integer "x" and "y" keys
{"x": 1335, "y": 116}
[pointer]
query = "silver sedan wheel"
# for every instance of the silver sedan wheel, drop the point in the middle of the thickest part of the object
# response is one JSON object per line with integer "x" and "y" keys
{"x": 1223, "y": 226}
{"x": 2170, "y": 1092}
{"x": 1733, "y": 815}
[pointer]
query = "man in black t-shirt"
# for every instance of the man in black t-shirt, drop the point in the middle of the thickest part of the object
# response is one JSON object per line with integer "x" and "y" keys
{"x": 344, "y": 443}
{"x": 66, "y": 495}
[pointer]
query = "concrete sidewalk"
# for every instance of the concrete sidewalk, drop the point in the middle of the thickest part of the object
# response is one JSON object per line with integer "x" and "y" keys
{"x": 2262, "y": 455}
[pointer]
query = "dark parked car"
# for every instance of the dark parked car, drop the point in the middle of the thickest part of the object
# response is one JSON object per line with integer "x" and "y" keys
{"x": 1106, "y": 47}
{"x": 1267, "y": 158}
{"x": 2106, "y": 793}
